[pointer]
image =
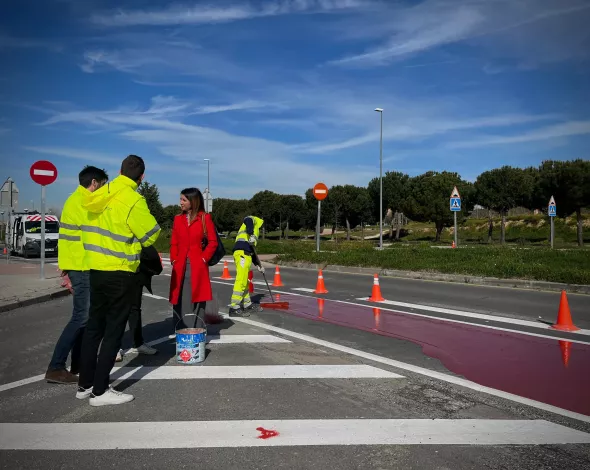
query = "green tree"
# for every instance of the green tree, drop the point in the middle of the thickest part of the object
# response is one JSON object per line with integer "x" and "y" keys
{"x": 169, "y": 213}
{"x": 396, "y": 191}
{"x": 350, "y": 205}
{"x": 291, "y": 210}
{"x": 265, "y": 204}
{"x": 429, "y": 199}
{"x": 569, "y": 183}
{"x": 228, "y": 214}
{"x": 152, "y": 196}
{"x": 503, "y": 189}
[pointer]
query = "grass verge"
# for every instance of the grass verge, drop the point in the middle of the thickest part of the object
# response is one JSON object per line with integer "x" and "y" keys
{"x": 567, "y": 266}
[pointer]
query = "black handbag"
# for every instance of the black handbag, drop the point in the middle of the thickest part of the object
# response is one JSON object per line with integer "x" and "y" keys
{"x": 219, "y": 251}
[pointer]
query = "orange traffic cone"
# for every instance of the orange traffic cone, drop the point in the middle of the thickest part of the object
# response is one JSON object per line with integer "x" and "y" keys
{"x": 250, "y": 283}
{"x": 5, "y": 251}
{"x": 565, "y": 347}
{"x": 564, "y": 317}
{"x": 320, "y": 287}
{"x": 321, "y": 308}
{"x": 277, "y": 281}
{"x": 454, "y": 246}
{"x": 376, "y": 294}
{"x": 225, "y": 274}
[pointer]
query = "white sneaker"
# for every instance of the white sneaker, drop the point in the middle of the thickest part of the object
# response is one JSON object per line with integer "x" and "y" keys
{"x": 144, "y": 349}
{"x": 111, "y": 397}
{"x": 83, "y": 393}
{"x": 119, "y": 357}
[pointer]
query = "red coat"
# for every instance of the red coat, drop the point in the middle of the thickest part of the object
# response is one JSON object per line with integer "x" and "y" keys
{"x": 186, "y": 242}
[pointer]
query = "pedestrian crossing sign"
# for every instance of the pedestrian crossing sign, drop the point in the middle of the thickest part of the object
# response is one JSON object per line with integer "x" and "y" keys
{"x": 552, "y": 209}
{"x": 455, "y": 204}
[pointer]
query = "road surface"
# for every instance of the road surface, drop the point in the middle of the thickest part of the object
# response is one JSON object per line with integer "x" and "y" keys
{"x": 332, "y": 383}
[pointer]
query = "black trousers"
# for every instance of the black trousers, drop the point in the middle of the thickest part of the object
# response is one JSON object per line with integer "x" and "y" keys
{"x": 186, "y": 306}
{"x": 111, "y": 297}
{"x": 135, "y": 326}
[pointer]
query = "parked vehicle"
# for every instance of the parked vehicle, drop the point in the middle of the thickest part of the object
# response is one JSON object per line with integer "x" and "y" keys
{"x": 23, "y": 234}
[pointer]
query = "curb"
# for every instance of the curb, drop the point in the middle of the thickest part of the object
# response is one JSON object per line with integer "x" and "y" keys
{"x": 456, "y": 278}
{"x": 34, "y": 300}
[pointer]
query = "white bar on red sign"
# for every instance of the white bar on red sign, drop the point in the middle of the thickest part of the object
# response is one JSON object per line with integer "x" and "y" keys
{"x": 44, "y": 172}
{"x": 320, "y": 191}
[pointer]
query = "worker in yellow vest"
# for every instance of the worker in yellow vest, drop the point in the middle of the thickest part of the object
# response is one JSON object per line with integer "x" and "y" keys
{"x": 244, "y": 256}
{"x": 71, "y": 261}
{"x": 119, "y": 225}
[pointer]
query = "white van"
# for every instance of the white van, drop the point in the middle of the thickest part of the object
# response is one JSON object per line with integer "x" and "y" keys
{"x": 23, "y": 234}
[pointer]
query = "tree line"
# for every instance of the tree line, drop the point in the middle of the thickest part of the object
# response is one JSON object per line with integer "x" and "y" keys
{"x": 422, "y": 198}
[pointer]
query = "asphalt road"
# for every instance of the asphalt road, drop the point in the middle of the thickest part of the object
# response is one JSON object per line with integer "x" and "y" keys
{"x": 352, "y": 386}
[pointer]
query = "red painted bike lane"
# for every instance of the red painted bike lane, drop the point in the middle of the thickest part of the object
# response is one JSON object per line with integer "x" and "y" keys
{"x": 550, "y": 371}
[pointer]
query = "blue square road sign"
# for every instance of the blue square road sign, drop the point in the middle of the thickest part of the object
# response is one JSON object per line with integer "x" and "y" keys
{"x": 455, "y": 203}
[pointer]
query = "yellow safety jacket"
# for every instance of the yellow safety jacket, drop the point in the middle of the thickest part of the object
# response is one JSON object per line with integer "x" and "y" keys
{"x": 70, "y": 250}
{"x": 250, "y": 226}
{"x": 119, "y": 224}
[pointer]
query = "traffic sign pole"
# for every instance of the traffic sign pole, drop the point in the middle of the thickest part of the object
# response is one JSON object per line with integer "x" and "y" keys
{"x": 42, "y": 232}
{"x": 317, "y": 229}
{"x": 456, "y": 238}
{"x": 552, "y": 211}
{"x": 455, "y": 206}
{"x": 43, "y": 173}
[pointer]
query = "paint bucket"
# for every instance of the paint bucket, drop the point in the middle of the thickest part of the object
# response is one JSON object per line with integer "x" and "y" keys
{"x": 190, "y": 343}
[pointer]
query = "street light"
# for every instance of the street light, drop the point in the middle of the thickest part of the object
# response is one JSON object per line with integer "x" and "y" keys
{"x": 380, "y": 111}
{"x": 208, "y": 188}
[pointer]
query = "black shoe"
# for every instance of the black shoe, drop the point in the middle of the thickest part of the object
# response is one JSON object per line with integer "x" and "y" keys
{"x": 237, "y": 312}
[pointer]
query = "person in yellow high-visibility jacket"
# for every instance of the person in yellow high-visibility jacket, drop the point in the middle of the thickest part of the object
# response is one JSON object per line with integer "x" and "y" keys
{"x": 119, "y": 224}
{"x": 244, "y": 257}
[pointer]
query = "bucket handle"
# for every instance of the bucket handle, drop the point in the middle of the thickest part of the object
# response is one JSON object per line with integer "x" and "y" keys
{"x": 197, "y": 319}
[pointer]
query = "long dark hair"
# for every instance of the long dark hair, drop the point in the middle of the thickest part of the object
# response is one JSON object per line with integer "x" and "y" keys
{"x": 195, "y": 197}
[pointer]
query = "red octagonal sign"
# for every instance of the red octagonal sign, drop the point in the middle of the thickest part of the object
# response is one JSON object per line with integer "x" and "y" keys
{"x": 43, "y": 172}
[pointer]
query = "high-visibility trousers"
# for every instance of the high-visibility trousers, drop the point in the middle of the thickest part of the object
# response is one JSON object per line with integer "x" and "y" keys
{"x": 241, "y": 292}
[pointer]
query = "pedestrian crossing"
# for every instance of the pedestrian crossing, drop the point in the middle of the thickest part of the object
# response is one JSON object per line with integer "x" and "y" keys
{"x": 261, "y": 389}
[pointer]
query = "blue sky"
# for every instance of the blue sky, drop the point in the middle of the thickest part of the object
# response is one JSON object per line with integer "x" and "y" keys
{"x": 281, "y": 94}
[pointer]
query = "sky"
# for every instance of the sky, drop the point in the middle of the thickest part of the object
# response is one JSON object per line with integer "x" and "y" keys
{"x": 281, "y": 94}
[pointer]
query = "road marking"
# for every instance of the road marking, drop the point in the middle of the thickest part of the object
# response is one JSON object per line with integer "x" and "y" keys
{"x": 418, "y": 370}
{"x": 303, "y": 289}
{"x": 462, "y": 313}
{"x": 305, "y": 432}
{"x": 19, "y": 383}
{"x": 153, "y": 296}
{"x": 557, "y": 337}
{"x": 331, "y": 371}
{"x": 229, "y": 339}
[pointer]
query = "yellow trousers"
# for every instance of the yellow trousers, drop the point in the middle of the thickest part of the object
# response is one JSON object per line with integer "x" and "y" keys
{"x": 241, "y": 292}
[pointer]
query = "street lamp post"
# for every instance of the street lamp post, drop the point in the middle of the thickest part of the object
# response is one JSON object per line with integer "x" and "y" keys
{"x": 380, "y": 111}
{"x": 208, "y": 185}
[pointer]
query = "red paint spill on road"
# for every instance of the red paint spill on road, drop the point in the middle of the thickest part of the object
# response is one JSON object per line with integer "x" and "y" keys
{"x": 549, "y": 371}
{"x": 266, "y": 433}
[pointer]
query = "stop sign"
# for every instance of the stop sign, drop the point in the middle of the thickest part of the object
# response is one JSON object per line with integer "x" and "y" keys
{"x": 320, "y": 191}
{"x": 43, "y": 172}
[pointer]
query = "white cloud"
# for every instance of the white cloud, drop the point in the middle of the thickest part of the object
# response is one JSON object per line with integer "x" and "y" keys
{"x": 566, "y": 129}
{"x": 206, "y": 14}
{"x": 538, "y": 30}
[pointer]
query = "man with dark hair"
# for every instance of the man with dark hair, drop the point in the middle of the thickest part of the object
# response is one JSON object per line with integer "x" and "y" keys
{"x": 71, "y": 261}
{"x": 119, "y": 225}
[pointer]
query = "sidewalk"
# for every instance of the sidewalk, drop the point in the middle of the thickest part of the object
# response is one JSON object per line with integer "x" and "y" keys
{"x": 20, "y": 284}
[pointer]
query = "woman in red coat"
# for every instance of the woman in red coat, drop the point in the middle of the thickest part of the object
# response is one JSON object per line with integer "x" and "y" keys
{"x": 190, "y": 285}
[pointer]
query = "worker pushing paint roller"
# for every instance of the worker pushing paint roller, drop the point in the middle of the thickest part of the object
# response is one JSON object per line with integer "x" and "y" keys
{"x": 244, "y": 257}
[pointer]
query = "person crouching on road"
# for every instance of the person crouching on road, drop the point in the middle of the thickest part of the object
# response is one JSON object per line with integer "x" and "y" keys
{"x": 192, "y": 245}
{"x": 119, "y": 225}
{"x": 244, "y": 256}
{"x": 70, "y": 259}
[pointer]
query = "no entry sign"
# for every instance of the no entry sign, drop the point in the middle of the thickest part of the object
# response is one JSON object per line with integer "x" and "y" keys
{"x": 320, "y": 191}
{"x": 43, "y": 172}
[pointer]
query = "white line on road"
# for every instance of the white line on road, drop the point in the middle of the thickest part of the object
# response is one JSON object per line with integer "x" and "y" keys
{"x": 19, "y": 383}
{"x": 153, "y": 296}
{"x": 331, "y": 371}
{"x": 305, "y": 432}
{"x": 462, "y": 313}
{"x": 557, "y": 336}
{"x": 418, "y": 370}
{"x": 303, "y": 289}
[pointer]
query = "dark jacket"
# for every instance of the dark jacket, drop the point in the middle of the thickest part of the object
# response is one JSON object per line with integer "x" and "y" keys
{"x": 150, "y": 264}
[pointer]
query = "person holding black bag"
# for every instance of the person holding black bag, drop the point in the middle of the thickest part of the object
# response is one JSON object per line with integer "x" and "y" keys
{"x": 193, "y": 248}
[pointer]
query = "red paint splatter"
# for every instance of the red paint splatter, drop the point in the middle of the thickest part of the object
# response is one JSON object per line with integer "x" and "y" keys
{"x": 266, "y": 433}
